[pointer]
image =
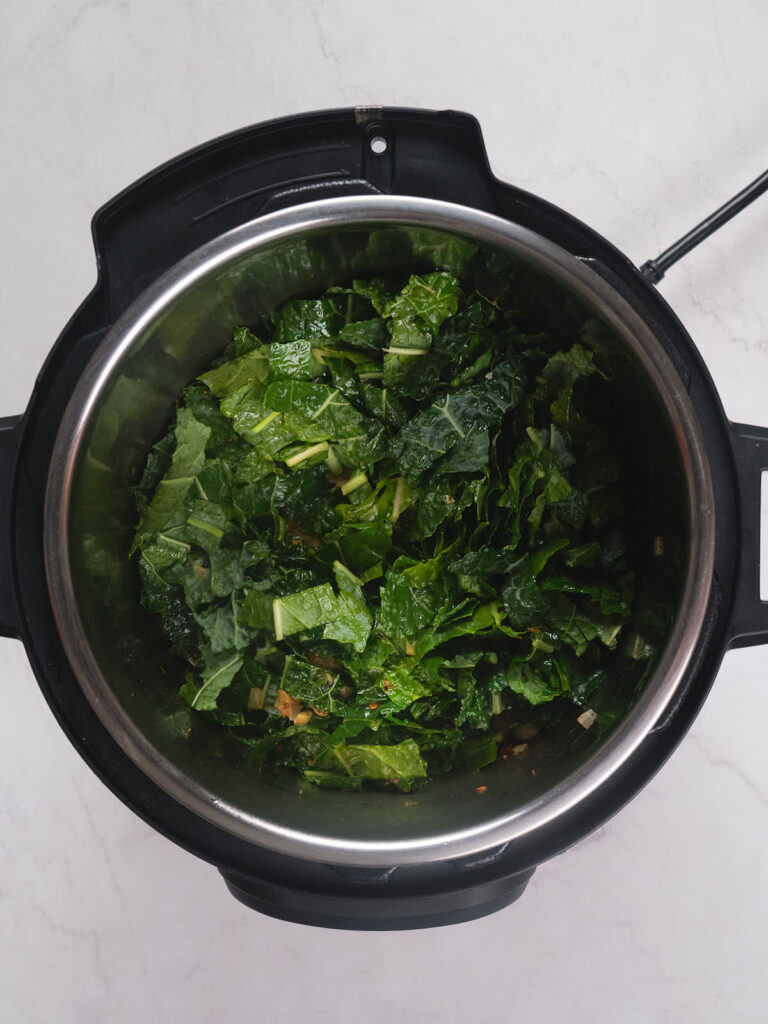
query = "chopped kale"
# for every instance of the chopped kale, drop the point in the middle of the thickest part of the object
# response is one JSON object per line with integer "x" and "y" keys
{"x": 383, "y": 529}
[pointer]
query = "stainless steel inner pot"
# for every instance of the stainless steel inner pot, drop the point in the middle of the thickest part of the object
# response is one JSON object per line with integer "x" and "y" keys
{"x": 123, "y": 402}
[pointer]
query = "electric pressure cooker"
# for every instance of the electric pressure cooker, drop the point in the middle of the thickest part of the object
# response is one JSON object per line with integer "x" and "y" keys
{"x": 223, "y": 234}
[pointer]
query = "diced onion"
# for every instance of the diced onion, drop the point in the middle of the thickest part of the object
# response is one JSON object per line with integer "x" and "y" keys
{"x": 587, "y": 718}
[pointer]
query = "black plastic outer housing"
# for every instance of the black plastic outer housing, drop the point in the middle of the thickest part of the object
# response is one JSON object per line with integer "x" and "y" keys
{"x": 143, "y": 232}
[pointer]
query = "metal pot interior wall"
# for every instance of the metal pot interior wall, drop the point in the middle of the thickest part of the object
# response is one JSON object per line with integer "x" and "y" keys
{"x": 133, "y": 411}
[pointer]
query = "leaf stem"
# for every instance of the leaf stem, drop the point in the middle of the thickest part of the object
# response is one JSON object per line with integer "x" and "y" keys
{"x": 398, "y": 499}
{"x": 265, "y": 422}
{"x": 278, "y": 618}
{"x": 353, "y": 483}
{"x": 307, "y": 453}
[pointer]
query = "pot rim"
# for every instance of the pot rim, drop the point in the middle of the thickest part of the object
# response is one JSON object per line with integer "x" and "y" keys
{"x": 479, "y": 226}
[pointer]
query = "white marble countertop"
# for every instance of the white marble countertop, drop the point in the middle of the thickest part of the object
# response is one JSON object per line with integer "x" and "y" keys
{"x": 638, "y": 119}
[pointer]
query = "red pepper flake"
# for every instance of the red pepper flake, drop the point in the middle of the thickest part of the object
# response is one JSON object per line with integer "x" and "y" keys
{"x": 373, "y": 706}
{"x": 481, "y": 789}
{"x": 294, "y": 530}
{"x": 533, "y": 771}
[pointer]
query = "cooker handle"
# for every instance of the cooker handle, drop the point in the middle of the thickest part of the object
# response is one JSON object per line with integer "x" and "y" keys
{"x": 10, "y": 436}
{"x": 748, "y": 623}
{"x": 201, "y": 194}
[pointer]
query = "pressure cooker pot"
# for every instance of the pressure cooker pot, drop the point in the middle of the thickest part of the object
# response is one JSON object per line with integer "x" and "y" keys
{"x": 224, "y": 235}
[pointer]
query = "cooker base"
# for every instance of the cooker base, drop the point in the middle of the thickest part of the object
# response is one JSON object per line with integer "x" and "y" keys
{"x": 374, "y": 909}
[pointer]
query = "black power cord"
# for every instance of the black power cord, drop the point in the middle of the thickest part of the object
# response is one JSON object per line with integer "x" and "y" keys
{"x": 655, "y": 270}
